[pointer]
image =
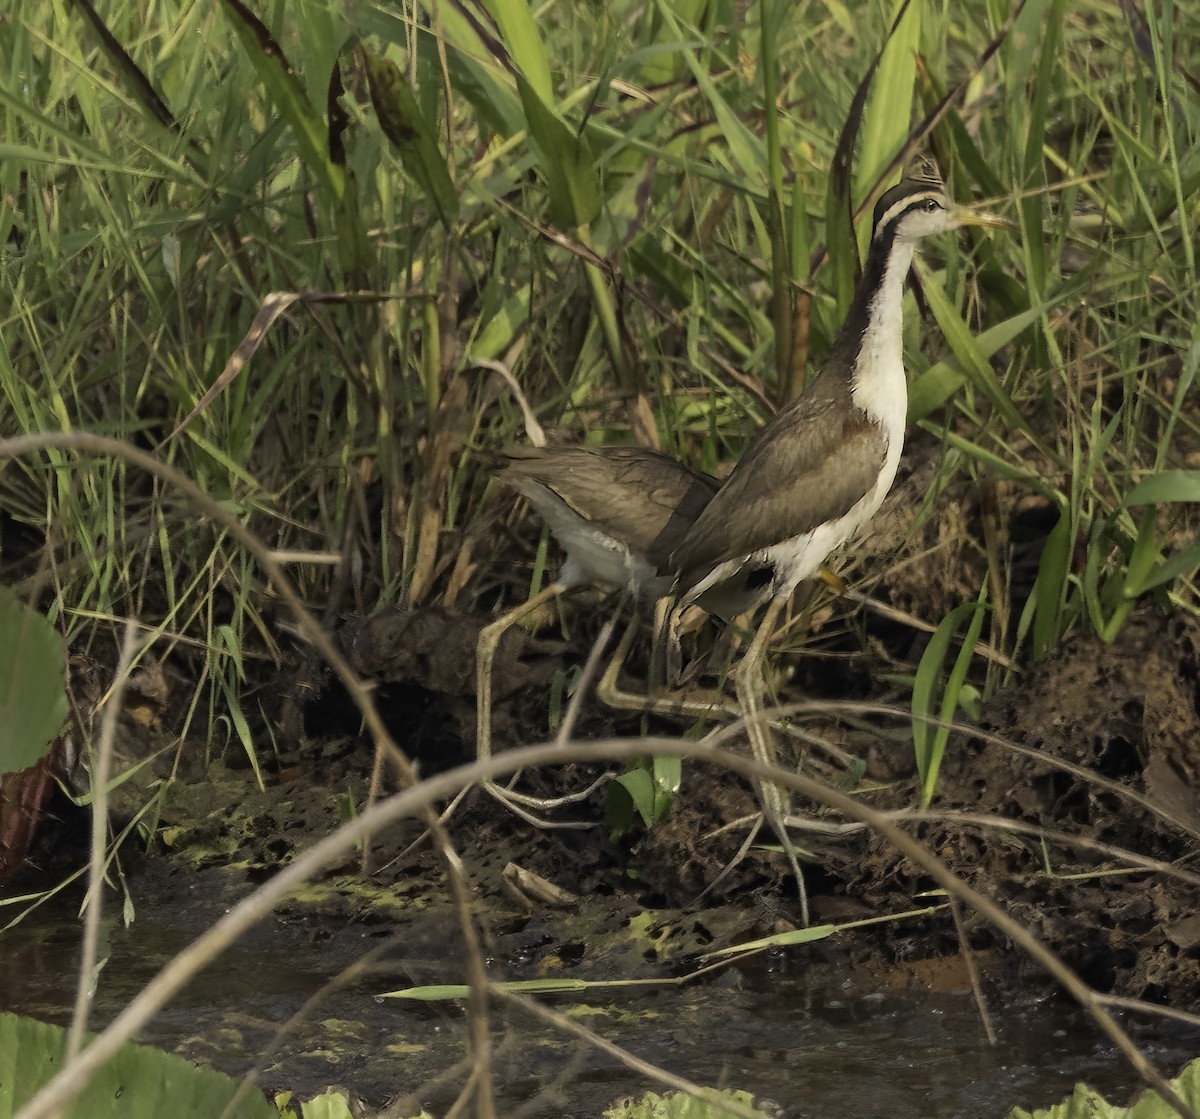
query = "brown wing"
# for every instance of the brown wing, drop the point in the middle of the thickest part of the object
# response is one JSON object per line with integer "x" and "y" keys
{"x": 645, "y": 499}
{"x": 810, "y": 465}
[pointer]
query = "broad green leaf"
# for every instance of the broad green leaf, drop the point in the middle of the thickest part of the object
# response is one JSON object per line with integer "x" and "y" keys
{"x": 652, "y": 787}
{"x": 639, "y": 784}
{"x": 520, "y": 33}
{"x": 888, "y": 114}
{"x": 668, "y": 772}
{"x": 1183, "y": 562}
{"x": 497, "y": 333}
{"x": 1086, "y": 1103}
{"x": 1166, "y": 487}
{"x": 137, "y": 1083}
{"x": 566, "y": 161}
{"x": 328, "y": 1105}
{"x": 33, "y": 695}
{"x": 842, "y": 246}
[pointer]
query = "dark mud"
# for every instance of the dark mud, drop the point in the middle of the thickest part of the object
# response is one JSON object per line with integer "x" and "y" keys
{"x": 1092, "y": 755}
{"x": 1098, "y": 747}
{"x": 792, "y": 1028}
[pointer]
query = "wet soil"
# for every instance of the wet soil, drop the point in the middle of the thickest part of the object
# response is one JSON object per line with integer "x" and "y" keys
{"x": 1092, "y": 759}
{"x": 1099, "y": 742}
{"x": 1098, "y": 747}
{"x": 802, "y": 1029}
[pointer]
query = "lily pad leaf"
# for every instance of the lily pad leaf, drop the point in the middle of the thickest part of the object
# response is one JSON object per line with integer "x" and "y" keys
{"x": 139, "y": 1082}
{"x": 33, "y": 696}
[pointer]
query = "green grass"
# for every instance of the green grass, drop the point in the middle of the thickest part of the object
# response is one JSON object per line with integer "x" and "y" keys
{"x": 626, "y": 204}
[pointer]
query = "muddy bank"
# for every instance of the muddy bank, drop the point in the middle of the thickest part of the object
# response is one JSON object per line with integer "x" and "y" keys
{"x": 1097, "y": 747}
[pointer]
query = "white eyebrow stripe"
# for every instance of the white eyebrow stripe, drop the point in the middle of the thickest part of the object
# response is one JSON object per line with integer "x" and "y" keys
{"x": 897, "y": 208}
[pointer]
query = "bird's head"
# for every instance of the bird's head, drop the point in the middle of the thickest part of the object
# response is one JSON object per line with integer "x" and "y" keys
{"x": 914, "y": 209}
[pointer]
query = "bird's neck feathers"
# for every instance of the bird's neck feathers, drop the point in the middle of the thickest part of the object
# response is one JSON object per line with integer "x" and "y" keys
{"x": 869, "y": 347}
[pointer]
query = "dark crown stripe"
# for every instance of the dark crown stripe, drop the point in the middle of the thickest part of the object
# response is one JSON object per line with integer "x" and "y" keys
{"x": 887, "y": 219}
{"x": 911, "y": 189}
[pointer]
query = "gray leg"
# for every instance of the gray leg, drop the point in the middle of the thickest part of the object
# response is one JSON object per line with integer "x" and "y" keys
{"x": 749, "y": 683}
{"x": 700, "y": 705}
{"x": 485, "y": 653}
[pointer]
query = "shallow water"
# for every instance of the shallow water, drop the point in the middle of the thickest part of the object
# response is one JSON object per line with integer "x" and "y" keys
{"x": 814, "y": 1047}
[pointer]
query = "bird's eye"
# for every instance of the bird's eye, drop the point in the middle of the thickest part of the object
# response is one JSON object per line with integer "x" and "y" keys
{"x": 932, "y": 205}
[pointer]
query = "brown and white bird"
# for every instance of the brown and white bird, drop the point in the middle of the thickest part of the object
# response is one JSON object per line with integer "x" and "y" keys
{"x": 618, "y": 513}
{"x": 819, "y": 470}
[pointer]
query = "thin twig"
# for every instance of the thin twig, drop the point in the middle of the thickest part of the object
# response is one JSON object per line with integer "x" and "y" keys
{"x": 591, "y": 668}
{"x": 968, "y": 958}
{"x": 94, "y": 901}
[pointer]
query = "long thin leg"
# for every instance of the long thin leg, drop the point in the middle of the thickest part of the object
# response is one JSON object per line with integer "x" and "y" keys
{"x": 485, "y": 654}
{"x": 706, "y": 705}
{"x": 748, "y": 680}
{"x": 749, "y": 684}
{"x": 608, "y": 691}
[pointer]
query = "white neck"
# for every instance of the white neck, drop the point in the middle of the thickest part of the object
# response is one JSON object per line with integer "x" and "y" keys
{"x": 878, "y": 386}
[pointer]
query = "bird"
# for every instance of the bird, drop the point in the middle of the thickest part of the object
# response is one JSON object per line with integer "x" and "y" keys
{"x": 817, "y": 472}
{"x": 618, "y": 513}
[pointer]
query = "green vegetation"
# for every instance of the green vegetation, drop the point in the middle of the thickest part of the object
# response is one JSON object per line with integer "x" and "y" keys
{"x": 33, "y": 701}
{"x": 286, "y": 247}
{"x": 678, "y": 1106}
{"x": 626, "y": 207}
{"x": 138, "y": 1082}
{"x": 1084, "y": 1102}
{"x": 605, "y": 201}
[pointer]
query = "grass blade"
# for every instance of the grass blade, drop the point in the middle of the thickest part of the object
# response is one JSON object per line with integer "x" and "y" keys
{"x": 1166, "y": 487}
{"x": 887, "y": 115}
{"x": 405, "y": 126}
{"x": 288, "y": 97}
{"x": 929, "y": 700}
